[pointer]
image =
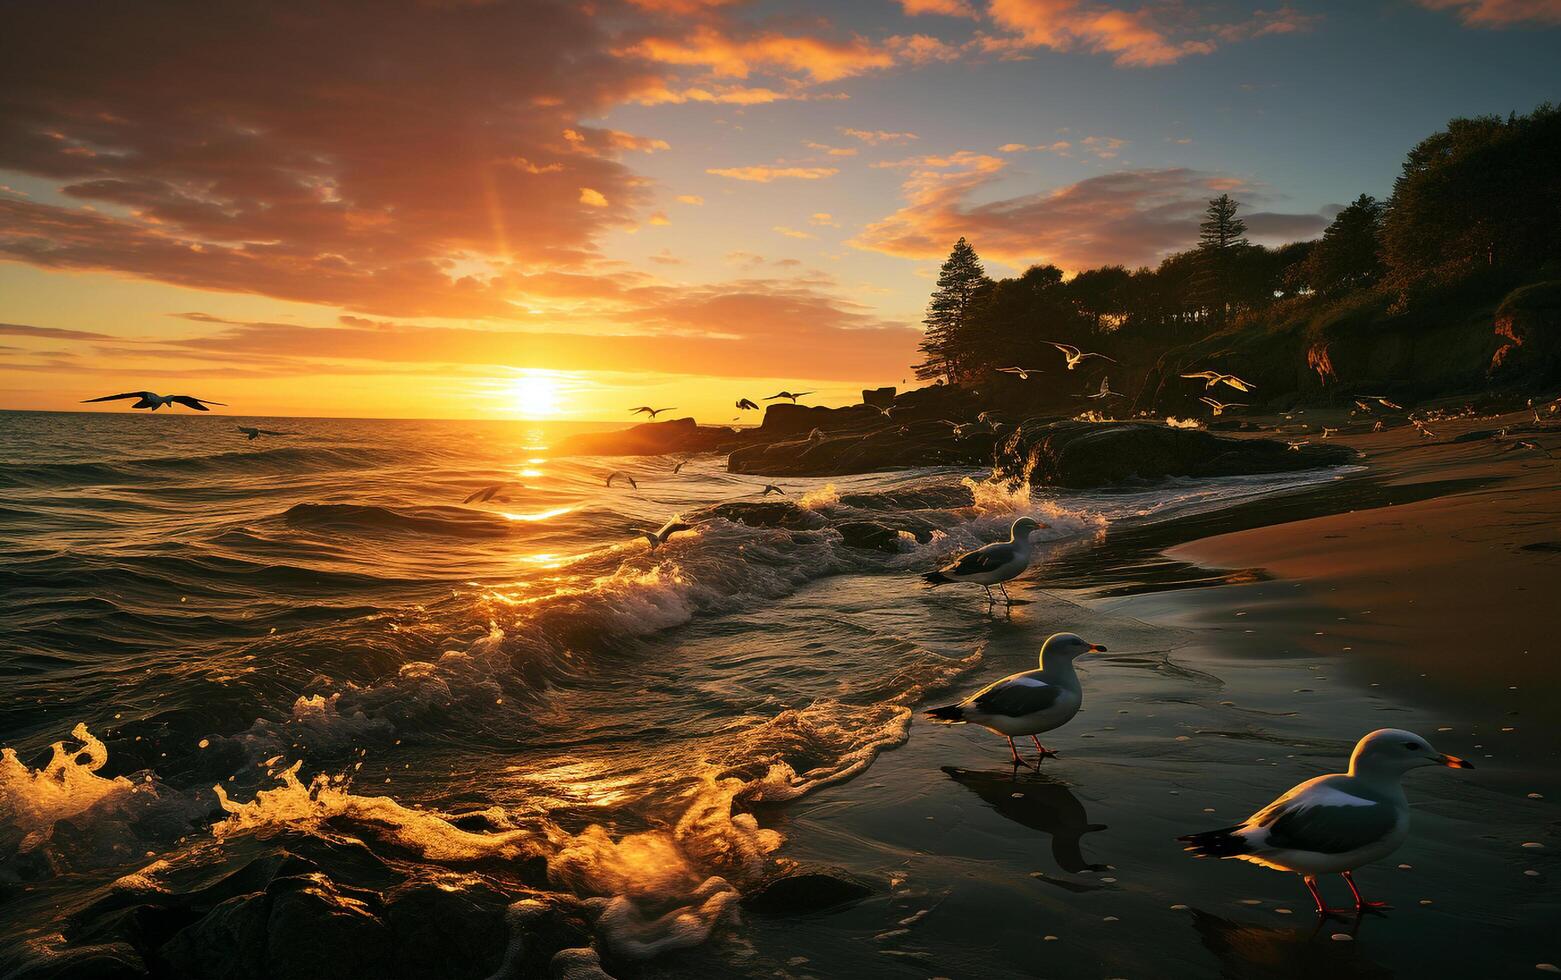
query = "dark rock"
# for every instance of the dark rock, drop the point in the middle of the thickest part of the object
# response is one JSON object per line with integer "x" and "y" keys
{"x": 878, "y": 397}
{"x": 115, "y": 961}
{"x": 867, "y": 534}
{"x": 804, "y": 890}
{"x": 650, "y": 439}
{"x": 766, "y": 513}
{"x": 893, "y": 446}
{"x": 1083, "y": 454}
{"x": 440, "y": 931}
{"x": 784, "y": 418}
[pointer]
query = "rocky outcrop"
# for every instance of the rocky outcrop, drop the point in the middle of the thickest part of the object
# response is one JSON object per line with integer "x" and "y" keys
{"x": 651, "y": 439}
{"x": 1528, "y": 329}
{"x": 1083, "y": 454}
{"x": 885, "y": 447}
{"x": 804, "y": 890}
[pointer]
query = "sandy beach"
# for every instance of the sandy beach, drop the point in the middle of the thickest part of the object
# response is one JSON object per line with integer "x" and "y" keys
{"x": 1424, "y": 602}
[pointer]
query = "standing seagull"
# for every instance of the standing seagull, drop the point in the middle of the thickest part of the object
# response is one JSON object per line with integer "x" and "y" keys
{"x": 1333, "y": 824}
{"x": 992, "y": 564}
{"x": 1031, "y": 702}
{"x": 154, "y": 401}
{"x": 793, "y": 395}
{"x": 1075, "y": 356}
{"x": 1212, "y": 378}
{"x": 254, "y": 433}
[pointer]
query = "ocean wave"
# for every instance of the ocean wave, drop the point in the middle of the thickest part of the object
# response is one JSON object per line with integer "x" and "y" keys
{"x": 375, "y": 519}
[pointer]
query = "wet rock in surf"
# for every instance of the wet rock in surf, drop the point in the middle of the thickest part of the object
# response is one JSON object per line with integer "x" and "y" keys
{"x": 869, "y": 535}
{"x": 1084, "y": 454}
{"x": 804, "y": 890}
{"x": 779, "y": 513}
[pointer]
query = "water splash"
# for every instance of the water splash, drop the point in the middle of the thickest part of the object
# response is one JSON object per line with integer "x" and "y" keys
{"x": 32, "y": 800}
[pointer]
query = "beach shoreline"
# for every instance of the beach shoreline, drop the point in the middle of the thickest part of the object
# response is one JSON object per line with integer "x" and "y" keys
{"x": 1244, "y": 667}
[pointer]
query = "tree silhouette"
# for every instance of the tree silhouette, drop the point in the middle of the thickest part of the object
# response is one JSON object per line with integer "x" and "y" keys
{"x": 1347, "y": 257}
{"x": 948, "y": 313}
{"x": 1220, "y": 236}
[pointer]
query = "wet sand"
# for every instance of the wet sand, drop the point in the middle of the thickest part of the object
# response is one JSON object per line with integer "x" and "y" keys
{"x": 1249, "y": 650}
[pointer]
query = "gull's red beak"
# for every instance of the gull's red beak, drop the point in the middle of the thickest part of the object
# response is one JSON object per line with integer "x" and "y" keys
{"x": 1096, "y": 648}
{"x": 1453, "y": 762}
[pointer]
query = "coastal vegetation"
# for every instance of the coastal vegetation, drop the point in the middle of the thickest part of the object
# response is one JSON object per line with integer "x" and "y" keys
{"x": 1447, "y": 287}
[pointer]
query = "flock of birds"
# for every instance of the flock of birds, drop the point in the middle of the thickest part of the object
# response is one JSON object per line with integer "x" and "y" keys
{"x": 1333, "y": 824}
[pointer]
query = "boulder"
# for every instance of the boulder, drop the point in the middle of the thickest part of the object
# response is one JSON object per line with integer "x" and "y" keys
{"x": 650, "y": 439}
{"x": 1083, "y": 454}
{"x": 801, "y": 890}
{"x": 878, "y": 397}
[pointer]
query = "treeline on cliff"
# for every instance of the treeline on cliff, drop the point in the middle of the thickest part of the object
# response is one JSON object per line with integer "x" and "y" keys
{"x": 1444, "y": 287}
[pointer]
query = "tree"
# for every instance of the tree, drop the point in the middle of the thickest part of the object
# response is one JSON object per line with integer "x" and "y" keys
{"x": 1347, "y": 257}
{"x": 948, "y": 313}
{"x": 1101, "y": 296}
{"x": 1220, "y": 236}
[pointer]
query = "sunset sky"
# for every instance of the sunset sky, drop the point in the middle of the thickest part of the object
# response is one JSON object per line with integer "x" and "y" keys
{"x": 460, "y": 208}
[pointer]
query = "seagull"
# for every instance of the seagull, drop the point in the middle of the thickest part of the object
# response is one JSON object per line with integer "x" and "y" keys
{"x": 1534, "y": 446}
{"x": 992, "y": 564}
{"x": 789, "y": 394}
{"x": 1381, "y": 401}
{"x": 154, "y": 401}
{"x": 1075, "y": 356}
{"x": 620, "y": 475}
{"x": 1212, "y": 378}
{"x": 1219, "y": 406}
{"x": 659, "y": 537}
{"x": 1030, "y": 702}
{"x": 1296, "y": 444}
{"x": 1023, "y": 373}
{"x": 647, "y": 410}
{"x": 960, "y": 428}
{"x": 1328, "y": 432}
{"x": 1421, "y": 428}
{"x": 678, "y": 466}
{"x": 887, "y": 411}
{"x": 817, "y": 435}
{"x": 747, "y": 404}
{"x": 770, "y": 488}
{"x": 254, "y": 433}
{"x": 1104, "y": 392}
{"x": 1333, "y": 824}
{"x": 487, "y": 493}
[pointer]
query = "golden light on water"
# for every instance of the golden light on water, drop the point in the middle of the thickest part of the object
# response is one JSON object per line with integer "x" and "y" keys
{"x": 538, "y": 516}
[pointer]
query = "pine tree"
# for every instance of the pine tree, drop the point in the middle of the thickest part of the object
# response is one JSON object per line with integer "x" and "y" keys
{"x": 947, "y": 312}
{"x": 1220, "y": 236}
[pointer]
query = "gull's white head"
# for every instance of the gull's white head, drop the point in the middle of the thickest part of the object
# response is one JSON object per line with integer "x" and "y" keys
{"x": 1065, "y": 646}
{"x": 1394, "y": 751}
{"x": 1024, "y": 527}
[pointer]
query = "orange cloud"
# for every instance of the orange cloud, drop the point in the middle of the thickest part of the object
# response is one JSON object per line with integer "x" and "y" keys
{"x": 1133, "y": 217}
{"x": 694, "y": 199}
{"x": 878, "y": 137}
{"x": 592, "y": 198}
{"x": 1152, "y": 35}
{"x": 947, "y": 8}
{"x": 725, "y": 55}
{"x": 791, "y": 232}
{"x": 763, "y": 174}
{"x": 1500, "y": 13}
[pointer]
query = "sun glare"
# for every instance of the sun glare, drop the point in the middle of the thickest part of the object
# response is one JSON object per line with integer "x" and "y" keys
{"x": 535, "y": 395}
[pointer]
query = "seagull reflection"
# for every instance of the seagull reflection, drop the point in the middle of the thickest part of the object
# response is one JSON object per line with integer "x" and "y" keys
{"x": 1039, "y": 803}
{"x": 1271, "y": 953}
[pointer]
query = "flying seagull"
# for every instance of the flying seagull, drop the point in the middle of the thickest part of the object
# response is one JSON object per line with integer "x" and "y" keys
{"x": 1023, "y": 373}
{"x": 620, "y": 475}
{"x": 659, "y": 537}
{"x": 1380, "y": 400}
{"x": 1031, "y": 702}
{"x": 647, "y": 410}
{"x": 1219, "y": 406}
{"x": 788, "y": 394}
{"x": 1212, "y": 378}
{"x": 960, "y": 428}
{"x": 254, "y": 433}
{"x": 1104, "y": 392}
{"x": 1333, "y": 824}
{"x": 1075, "y": 356}
{"x": 992, "y": 564}
{"x": 747, "y": 404}
{"x": 770, "y": 488}
{"x": 154, "y": 401}
{"x": 487, "y": 493}
{"x": 678, "y": 466}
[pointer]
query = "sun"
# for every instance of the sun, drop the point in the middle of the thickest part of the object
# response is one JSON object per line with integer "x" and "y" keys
{"x": 535, "y": 395}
